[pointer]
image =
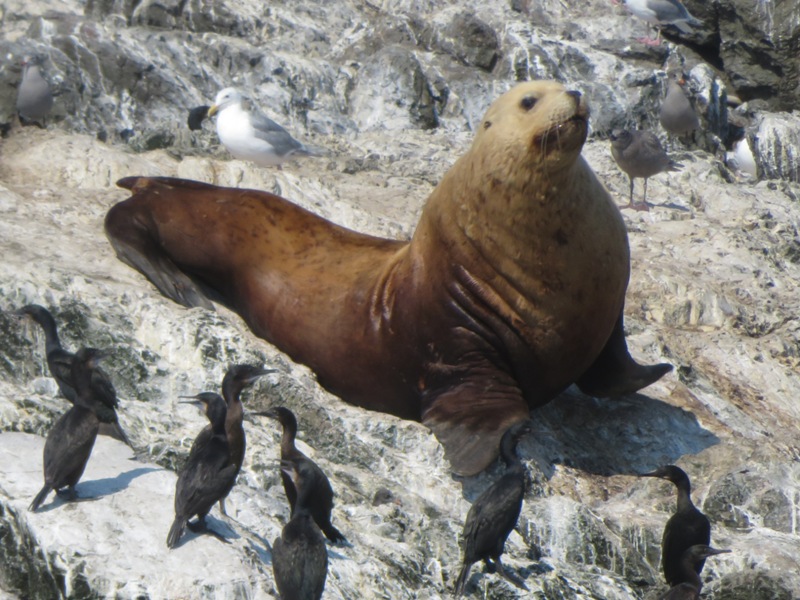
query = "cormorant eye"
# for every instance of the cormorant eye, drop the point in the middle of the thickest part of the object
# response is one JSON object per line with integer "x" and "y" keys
{"x": 528, "y": 102}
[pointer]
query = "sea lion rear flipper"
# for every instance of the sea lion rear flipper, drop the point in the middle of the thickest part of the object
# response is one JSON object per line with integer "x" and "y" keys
{"x": 134, "y": 241}
{"x": 615, "y": 373}
{"x": 469, "y": 420}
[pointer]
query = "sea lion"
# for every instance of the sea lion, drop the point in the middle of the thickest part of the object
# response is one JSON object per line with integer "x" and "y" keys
{"x": 511, "y": 289}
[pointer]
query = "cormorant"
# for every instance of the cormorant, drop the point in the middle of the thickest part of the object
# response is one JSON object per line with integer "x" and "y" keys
{"x": 684, "y": 529}
{"x": 59, "y": 361}
{"x": 69, "y": 443}
{"x": 299, "y": 556}
{"x": 691, "y": 584}
{"x": 237, "y": 377}
{"x": 196, "y": 117}
{"x": 492, "y": 517}
{"x": 208, "y": 474}
{"x": 321, "y": 492}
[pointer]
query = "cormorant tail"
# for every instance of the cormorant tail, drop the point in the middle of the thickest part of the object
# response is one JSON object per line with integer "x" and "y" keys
{"x": 175, "y": 532}
{"x": 334, "y": 535}
{"x": 461, "y": 582}
{"x": 37, "y": 502}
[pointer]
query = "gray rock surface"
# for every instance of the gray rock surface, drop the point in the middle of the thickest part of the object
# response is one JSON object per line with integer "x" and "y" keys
{"x": 391, "y": 90}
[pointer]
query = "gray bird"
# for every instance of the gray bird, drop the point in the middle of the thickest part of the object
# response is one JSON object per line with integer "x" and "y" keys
{"x": 252, "y": 136}
{"x": 640, "y": 154}
{"x": 677, "y": 116}
{"x": 34, "y": 97}
{"x": 663, "y": 12}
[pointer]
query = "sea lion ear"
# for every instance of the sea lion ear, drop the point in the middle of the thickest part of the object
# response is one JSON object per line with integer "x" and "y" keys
{"x": 468, "y": 420}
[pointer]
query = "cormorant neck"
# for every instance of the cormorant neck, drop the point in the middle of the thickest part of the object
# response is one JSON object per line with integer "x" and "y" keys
{"x": 231, "y": 389}
{"x": 217, "y": 419}
{"x": 289, "y": 435}
{"x": 690, "y": 575}
{"x": 82, "y": 382}
{"x": 48, "y": 324}
{"x": 684, "y": 495}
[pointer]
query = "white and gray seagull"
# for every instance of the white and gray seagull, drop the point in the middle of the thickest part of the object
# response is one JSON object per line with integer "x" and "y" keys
{"x": 663, "y": 12}
{"x": 252, "y": 136}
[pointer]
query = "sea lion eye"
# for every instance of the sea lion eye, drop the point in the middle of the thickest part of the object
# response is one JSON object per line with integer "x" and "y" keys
{"x": 527, "y": 102}
{"x": 487, "y": 124}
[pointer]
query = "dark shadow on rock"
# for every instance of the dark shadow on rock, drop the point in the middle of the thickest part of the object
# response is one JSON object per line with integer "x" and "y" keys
{"x": 264, "y": 552}
{"x": 214, "y": 528}
{"x": 98, "y": 488}
{"x": 629, "y": 435}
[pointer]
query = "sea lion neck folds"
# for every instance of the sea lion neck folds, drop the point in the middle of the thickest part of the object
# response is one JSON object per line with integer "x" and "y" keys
{"x": 511, "y": 288}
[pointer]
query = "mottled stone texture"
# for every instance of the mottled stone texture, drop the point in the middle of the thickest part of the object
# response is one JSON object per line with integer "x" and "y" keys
{"x": 392, "y": 92}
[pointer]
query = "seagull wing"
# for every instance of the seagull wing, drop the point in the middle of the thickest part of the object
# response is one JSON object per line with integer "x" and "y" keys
{"x": 268, "y": 130}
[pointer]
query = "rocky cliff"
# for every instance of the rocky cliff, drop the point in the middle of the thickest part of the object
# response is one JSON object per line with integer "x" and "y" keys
{"x": 392, "y": 90}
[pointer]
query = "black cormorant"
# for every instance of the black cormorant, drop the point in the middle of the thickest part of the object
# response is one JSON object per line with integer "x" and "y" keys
{"x": 687, "y": 527}
{"x": 299, "y": 557}
{"x": 69, "y": 443}
{"x": 690, "y": 582}
{"x": 237, "y": 377}
{"x": 321, "y": 494}
{"x": 59, "y": 361}
{"x": 208, "y": 473}
{"x": 196, "y": 117}
{"x": 492, "y": 517}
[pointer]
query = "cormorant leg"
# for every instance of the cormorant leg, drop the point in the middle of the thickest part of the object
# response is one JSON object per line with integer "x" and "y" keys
{"x": 517, "y": 581}
{"x": 615, "y": 373}
{"x": 68, "y": 494}
{"x": 222, "y": 507}
{"x": 490, "y": 566}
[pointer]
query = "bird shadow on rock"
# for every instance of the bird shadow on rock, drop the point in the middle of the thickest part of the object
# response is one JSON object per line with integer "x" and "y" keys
{"x": 214, "y": 528}
{"x": 629, "y": 435}
{"x": 95, "y": 489}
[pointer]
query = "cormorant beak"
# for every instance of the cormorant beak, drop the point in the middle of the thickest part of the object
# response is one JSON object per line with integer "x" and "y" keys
{"x": 260, "y": 373}
{"x": 195, "y": 401}
{"x": 265, "y": 413}
{"x": 714, "y": 551}
{"x": 657, "y": 474}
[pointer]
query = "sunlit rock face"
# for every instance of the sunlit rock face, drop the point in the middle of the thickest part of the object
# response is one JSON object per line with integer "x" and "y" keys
{"x": 392, "y": 91}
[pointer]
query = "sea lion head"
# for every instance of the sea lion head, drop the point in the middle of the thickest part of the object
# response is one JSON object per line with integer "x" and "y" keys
{"x": 537, "y": 126}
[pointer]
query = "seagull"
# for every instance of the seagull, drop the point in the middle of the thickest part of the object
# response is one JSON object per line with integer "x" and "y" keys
{"x": 662, "y": 12}
{"x": 640, "y": 154}
{"x": 34, "y": 97}
{"x": 252, "y": 136}
{"x": 677, "y": 116}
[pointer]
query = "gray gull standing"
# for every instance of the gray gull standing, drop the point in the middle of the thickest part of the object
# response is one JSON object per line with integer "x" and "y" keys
{"x": 677, "y": 116}
{"x": 663, "y": 12}
{"x": 252, "y": 136}
{"x": 640, "y": 154}
{"x": 34, "y": 97}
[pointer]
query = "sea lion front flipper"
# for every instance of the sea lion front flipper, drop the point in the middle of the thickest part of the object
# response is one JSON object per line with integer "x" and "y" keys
{"x": 615, "y": 373}
{"x": 469, "y": 420}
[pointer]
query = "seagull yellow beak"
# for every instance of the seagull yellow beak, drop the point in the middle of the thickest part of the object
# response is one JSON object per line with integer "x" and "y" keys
{"x": 213, "y": 110}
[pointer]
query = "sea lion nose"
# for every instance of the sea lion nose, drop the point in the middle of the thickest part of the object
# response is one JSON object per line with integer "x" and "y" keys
{"x": 575, "y": 94}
